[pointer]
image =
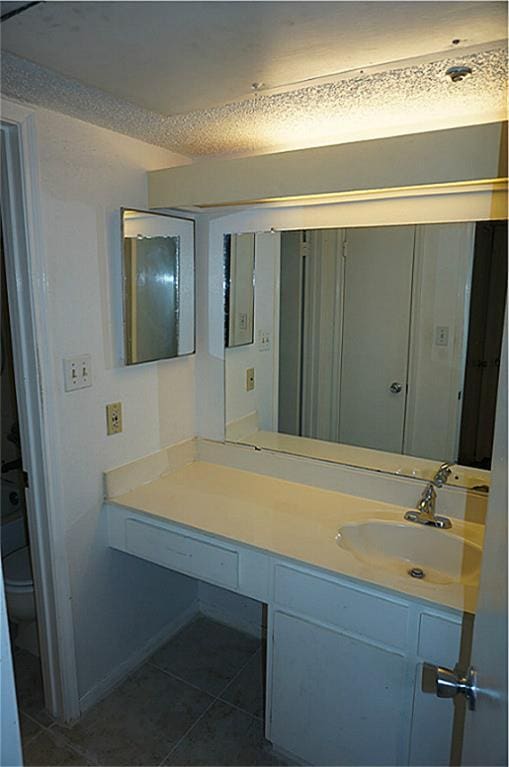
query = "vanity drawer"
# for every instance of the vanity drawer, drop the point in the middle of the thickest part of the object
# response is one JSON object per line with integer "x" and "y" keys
{"x": 205, "y": 560}
{"x": 347, "y": 607}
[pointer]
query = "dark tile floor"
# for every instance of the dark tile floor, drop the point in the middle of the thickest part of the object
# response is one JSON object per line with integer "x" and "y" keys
{"x": 199, "y": 700}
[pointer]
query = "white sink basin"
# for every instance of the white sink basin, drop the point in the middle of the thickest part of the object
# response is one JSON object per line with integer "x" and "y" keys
{"x": 442, "y": 556}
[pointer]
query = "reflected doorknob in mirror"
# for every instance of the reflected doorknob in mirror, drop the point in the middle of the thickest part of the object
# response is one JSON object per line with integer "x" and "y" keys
{"x": 395, "y": 387}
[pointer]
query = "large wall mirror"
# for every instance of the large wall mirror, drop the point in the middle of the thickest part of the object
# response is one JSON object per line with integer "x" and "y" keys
{"x": 373, "y": 346}
{"x": 158, "y": 286}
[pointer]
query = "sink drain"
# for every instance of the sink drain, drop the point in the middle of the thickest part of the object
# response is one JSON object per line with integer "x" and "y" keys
{"x": 416, "y": 572}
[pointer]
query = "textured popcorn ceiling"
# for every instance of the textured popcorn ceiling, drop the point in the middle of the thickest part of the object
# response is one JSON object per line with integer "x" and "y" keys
{"x": 398, "y": 100}
{"x": 179, "y": 57}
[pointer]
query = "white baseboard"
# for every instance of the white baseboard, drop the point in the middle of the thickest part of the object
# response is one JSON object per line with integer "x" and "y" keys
{"x": 120, "y": 672}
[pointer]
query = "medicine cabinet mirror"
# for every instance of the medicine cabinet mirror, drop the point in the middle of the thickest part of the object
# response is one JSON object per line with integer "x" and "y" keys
{"x": 158, "y": 286}
{"x": 371, "y": 345}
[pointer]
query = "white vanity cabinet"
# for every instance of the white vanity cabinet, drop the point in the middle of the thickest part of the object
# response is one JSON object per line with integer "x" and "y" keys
{"x": 344, "y": 657}
{"x": 344, "y": 673}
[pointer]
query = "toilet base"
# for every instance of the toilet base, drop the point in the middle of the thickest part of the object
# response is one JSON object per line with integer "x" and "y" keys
{"x": 27, "y": 637}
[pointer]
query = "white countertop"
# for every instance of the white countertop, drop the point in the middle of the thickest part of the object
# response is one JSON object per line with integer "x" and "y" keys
{"x": 288, "y": 519}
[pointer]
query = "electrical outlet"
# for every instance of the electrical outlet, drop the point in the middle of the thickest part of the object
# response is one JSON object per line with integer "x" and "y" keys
{"x": 250, "y": 379}
{"x": 77, "y": 372}
{"x": 114, "y": 418}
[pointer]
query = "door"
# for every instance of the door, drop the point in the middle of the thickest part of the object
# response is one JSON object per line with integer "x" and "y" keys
{"x": 485, "y": 739}
{"x": 376, "y": 326}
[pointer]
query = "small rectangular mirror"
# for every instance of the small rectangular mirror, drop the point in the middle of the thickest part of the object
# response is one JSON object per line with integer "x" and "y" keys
{"x": 239, "y": 262}
{"x": 158, "y": 286}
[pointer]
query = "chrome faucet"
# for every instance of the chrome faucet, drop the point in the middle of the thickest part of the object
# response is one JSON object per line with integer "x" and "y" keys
{"x": 442, "y": 474}
{"x": 425, "y": 509}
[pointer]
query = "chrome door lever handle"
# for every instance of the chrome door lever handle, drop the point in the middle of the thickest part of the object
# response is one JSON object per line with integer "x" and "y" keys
{"x": 445, "y": 683}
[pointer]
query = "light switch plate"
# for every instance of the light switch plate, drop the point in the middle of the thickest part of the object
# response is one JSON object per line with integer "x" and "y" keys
{"x": 77, "y": 372}
{"x": 264, "y": 340}
{"x": 442, "y": 335}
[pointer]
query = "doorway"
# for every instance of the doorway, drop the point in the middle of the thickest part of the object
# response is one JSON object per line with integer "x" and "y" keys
{"x": 34, "y": 388}
{"x": 15, "y": 537}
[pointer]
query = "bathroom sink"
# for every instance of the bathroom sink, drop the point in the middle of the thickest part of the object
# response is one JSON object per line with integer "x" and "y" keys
{"x": 417, "y": 551}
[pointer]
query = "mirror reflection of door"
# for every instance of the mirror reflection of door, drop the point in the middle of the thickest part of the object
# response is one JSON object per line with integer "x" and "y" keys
{"x": 355, "y": 296}
{"x": 376, "y": 329}
{"x": 373, "y": 337}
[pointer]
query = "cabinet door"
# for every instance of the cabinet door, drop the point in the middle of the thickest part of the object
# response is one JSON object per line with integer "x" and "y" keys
{"x": 335, "y": 699}
{"x": 437, "y": 724}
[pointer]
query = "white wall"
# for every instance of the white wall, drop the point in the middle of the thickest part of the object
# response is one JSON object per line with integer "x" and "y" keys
{"x": 86, "y": 175}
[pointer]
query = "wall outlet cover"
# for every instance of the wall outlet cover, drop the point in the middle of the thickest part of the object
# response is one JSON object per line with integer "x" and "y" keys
{"x": 250, "y": 379}
{"x": 114, "y": 418}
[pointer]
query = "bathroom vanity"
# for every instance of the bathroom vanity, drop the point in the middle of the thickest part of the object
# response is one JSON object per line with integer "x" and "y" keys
{"x": 348, "y": 630}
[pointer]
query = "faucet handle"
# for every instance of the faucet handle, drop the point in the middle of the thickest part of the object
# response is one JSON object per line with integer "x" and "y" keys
{"x": 442, "y": 474}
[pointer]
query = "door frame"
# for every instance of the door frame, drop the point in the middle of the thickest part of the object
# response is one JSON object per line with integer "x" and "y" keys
{"x": 36, "y": 384}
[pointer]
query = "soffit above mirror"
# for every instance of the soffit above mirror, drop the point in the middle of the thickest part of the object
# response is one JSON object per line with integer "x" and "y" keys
{"x": 434, "y": 162}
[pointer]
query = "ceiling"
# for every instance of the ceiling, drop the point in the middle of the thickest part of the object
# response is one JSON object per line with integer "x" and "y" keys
{"x": 180, "y": 74}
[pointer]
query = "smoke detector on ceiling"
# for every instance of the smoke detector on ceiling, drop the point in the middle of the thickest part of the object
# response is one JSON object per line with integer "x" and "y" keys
{"x": 457, "y": 74}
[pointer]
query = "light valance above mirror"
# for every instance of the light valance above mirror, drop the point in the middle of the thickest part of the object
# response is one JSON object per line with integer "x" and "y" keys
{"x": 158, "y": 286}
{"x": 373, "y": 344}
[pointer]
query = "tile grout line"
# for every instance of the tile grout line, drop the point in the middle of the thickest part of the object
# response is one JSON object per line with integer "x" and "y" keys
{"x": 82, "y": 752}
{"x": 238, "y": 708}
{"x": 66, "y": 743}
{"x": 191, "y": 727}
{"x": 239, "y": 672}
{"x": 196, "y": 687}
{"x": 214, "y": 700}
{"x": 40, "y": 727}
